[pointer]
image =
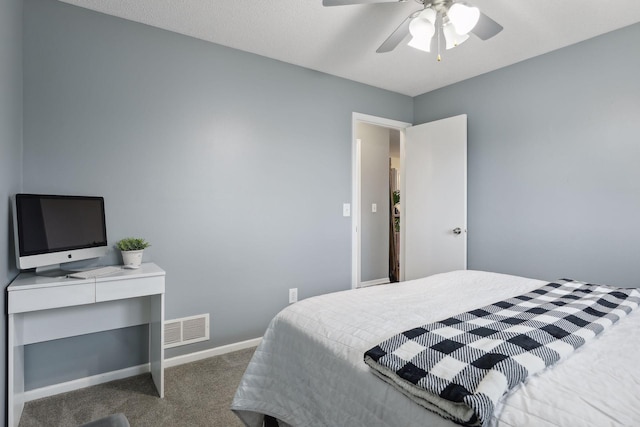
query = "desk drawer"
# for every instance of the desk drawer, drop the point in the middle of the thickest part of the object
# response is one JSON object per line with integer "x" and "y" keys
{"x": 51, "y": 297}
{"x": 129, "y": 288}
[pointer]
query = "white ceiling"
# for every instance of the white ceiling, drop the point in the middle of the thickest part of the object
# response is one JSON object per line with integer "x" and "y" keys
{"x": 342, "y": 40}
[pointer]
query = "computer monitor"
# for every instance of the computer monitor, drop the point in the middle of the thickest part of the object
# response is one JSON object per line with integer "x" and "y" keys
{"x": 50, "y": 230}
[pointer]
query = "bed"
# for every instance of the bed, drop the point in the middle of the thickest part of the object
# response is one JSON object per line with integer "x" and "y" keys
{"x": 309, "y": 368}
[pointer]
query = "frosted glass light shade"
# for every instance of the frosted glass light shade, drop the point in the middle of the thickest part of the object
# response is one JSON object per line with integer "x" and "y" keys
{"x": 421, "y": 27}
{"x": 463, "y": 18}
{"x": 453, "y": 39}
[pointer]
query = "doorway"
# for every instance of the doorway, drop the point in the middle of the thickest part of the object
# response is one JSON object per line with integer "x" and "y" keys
{"x": 377, "y": 163}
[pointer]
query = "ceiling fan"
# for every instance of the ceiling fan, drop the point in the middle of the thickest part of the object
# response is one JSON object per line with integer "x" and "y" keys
{"x": 445, "y": 19}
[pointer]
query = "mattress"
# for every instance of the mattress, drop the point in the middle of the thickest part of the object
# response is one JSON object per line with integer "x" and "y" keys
{"x": 309, "y": 368}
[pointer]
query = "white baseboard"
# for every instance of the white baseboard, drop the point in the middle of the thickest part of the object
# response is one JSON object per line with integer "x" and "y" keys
{"x": 39, "y": 393}
{"x": 381, "y": 281}
{"x": 205, "y": 354}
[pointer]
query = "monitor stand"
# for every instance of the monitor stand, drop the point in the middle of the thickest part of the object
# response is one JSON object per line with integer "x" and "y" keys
{"x": 53, "y": 270}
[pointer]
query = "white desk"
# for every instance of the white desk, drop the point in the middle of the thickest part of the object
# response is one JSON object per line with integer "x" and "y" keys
{"x": 43, "y": 308}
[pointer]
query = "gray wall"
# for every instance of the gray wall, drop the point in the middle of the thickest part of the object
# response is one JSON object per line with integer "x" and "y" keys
{"x": 10, "y": 158}
{"x": 554, "y": 182}
{"x": 374, "y": 173}
{"x": 235, "y": 167}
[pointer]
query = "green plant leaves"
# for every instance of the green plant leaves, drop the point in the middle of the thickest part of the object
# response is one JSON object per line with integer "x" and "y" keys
{"x": 132, "y": 244}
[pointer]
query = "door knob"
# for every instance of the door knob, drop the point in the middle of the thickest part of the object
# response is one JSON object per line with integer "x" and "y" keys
{"x": 457, "y": 231}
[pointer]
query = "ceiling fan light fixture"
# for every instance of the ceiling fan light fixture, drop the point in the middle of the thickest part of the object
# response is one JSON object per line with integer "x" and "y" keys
{"x": 452, "y": 38}
{"x": 463, "y": 17}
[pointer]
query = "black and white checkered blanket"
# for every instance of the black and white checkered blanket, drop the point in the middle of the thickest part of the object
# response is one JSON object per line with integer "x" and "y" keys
{"x": 461, "y": 366}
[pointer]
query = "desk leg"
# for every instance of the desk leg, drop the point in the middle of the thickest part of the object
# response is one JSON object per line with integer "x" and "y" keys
{"x": 15, "y": 368}
{"x": 156, "y": 342}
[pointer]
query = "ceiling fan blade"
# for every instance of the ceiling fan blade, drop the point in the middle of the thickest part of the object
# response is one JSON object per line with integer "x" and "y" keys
{"x": 486, "y": 27}
{"x": 348, "y": 2}
{"x": 397, "y": 36}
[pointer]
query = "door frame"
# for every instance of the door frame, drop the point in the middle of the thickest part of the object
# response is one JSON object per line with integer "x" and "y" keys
{"x": 356, "y": 188}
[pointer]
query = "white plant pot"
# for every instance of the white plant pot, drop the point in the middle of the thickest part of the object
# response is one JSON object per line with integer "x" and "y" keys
{"x": 132, "y": 259}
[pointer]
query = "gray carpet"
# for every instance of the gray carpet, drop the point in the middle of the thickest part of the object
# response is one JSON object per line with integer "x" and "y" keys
{"x": 196, "y": 394}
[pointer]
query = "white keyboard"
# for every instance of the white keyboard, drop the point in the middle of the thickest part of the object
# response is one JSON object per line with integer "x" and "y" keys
{"x": 97, "y": 272}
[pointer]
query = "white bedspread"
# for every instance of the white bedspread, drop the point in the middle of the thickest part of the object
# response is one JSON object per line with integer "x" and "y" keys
{"x": 309, "y": 369}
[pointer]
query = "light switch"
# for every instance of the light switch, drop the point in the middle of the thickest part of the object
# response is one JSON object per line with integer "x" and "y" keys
{"x": 346, "y": 209}
{"x": 374, "y": 207}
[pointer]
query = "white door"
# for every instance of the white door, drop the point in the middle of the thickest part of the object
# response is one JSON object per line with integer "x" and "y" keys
{"x": 434, "y": 198}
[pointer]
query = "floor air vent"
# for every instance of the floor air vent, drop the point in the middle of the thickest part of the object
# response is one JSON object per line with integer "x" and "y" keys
{"x": 186, "y": 330}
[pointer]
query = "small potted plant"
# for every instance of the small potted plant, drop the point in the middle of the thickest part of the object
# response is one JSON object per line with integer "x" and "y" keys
{"x": 132, "y": 249}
